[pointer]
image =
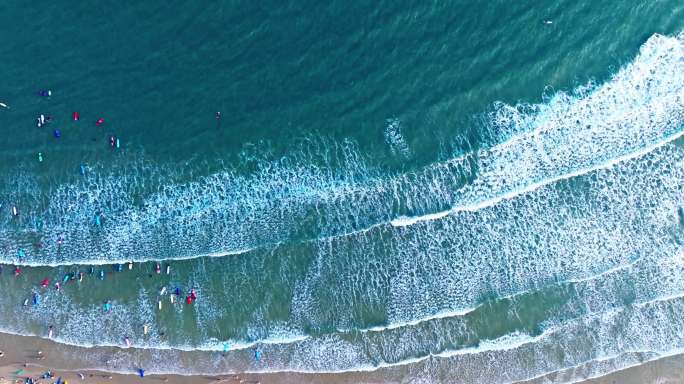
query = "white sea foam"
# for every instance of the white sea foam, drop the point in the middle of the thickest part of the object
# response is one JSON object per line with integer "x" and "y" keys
{"x": 395, "y": 139}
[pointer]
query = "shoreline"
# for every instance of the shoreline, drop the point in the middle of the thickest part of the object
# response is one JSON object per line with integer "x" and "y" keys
{"x": 21, "y": 359}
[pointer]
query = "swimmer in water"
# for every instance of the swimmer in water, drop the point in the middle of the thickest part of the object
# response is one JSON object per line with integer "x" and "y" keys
{"x": 548, "y": 22}
{"x": 218, "y": 115}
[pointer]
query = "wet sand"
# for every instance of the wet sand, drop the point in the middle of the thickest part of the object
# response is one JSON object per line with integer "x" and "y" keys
{"x": 662, "y": 371}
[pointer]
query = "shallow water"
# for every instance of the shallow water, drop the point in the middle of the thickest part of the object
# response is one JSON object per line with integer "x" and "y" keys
{"x": 439, "y": 186}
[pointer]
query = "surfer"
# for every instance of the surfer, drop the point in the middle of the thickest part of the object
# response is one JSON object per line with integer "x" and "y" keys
{"x": 99, "y": 122}
{"x": 17, "y": 271}
{"x": 157, "y": 268}
{"x": 45, "y": 282}
{"x": 548, "y": 22}
{"x": 45, "y": 93}
{"x": 4, "y": 105}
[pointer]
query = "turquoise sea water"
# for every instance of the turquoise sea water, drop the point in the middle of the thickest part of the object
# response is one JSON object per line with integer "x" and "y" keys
{"x": 446, "y": 186}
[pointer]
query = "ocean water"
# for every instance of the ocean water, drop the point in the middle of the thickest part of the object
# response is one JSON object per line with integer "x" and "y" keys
{"x": 448, "y": 192}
